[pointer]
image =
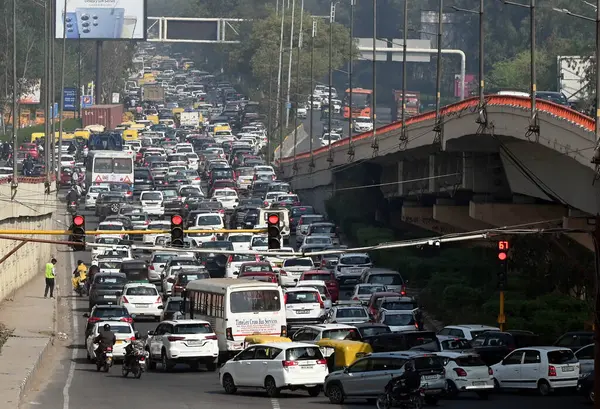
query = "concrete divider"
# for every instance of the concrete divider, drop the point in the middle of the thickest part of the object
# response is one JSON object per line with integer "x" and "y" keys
{"x": 288, "y": 143}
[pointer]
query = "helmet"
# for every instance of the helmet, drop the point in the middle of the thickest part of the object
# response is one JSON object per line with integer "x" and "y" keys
{"x": 79, "y": 262}
{"x": 409, "y": 366}
{"x": 106, "y": 327}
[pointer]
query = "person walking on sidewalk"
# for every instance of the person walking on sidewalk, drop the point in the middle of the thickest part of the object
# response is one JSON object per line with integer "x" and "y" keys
{"x": 50, "y": 278}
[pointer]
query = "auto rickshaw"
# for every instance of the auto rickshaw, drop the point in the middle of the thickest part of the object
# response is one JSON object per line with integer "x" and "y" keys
{"x": 341, "y": 353}
{"x": 263, "y": 339}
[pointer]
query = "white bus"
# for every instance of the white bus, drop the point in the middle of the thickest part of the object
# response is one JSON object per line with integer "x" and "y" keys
{"x": 109, "y": 167}
{"x": 237, "y": 308}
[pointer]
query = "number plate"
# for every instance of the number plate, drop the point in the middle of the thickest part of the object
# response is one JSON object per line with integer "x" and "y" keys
{"x": 142, "y": 305}
{"x": 478, "y": 383}
{"x": 430, "y": 377}
{"x": 120, "y": 341}
{"x": 568, "y": 368}
{"x": 301, "y": 311}
{"x": 111, "y": 297}
{"x": 193, "y": 342}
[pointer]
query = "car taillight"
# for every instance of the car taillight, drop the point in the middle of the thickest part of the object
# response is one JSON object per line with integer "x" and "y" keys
{"x": 321, "y": 303}
{"x": 230, "y": 259}
{"x": 131, "y": 339}
{"x": 490, "y": 371}
{"x": 213, "y": 337}
{"x": 356, "y": 299}
{"x": 172, "y": 339}
{"x": 222, "y": 211}
{"x": 142, "y": 358}
{"x": 266, "y": 203}
{"x": 285, "y": 297}
{"x": 129, "y": 193}
{"x": 93, "y": 319}
{"x": 213, "y": 238}
{"x": 321, "y": 361}
{"x": 125, "y": 300}
{"x": 460, "y": 372}
{"x": 158, "y": 300}
{"x": 289, "y": 363}
{"x": 127, "y": 319}
{"x": 551, "y": 370}
{"x": 108, "y": 349}
{"x": 283, "y": 273}
{"x": 151, "y": 267}
{"x": 284, "y": 330}
{"x": 229, "y": 334}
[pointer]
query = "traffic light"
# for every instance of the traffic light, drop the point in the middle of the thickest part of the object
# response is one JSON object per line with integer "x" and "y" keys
{"x": 503, "y": 247}
{"x": 273, "y": 231}
{"x": 78, "y": 232}
{"x": 176, "y": 231}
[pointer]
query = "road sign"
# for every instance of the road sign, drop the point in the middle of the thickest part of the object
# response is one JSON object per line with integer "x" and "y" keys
{"x": 70, "y": 99}
{"x": 87, "y": 101}
{"x": 54, "y": 111}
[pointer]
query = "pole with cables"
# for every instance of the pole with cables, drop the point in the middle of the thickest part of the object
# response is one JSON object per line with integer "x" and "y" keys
{"x": 438, "y": 77}
{"x": 597, "y": 123}
{"x": 533, "y": 127}
{"x": 350, "y": 106}
{"x": 15, "y": 99}
{"x": 297, "y": 99}
{"x": 62, "y": 94}
{"x": 47, "y": 22}
{"x": 277, "y": 113}
{"x": 481, "y": 56}
{"x": 330, "y": 110}
{"x": 311, "y": 164}
{"x": 52, "y": 90}
{"x": 289, "y": 81}
{"x": 403, "y": 135}
{"x": 270, "y": 112}
{"x": 375, "y": 144}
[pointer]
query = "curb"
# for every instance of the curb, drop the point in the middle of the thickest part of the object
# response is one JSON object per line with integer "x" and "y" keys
{"x": 42, "y": 354}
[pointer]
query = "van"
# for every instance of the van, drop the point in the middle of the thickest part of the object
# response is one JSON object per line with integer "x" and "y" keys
{"x": 284, "y": 217}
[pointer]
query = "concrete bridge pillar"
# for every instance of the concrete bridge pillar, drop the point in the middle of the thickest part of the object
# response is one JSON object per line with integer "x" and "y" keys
{"x": 515, "y": 214}
{"x": 448, "y": 212}
{"x": 422, "y": 216}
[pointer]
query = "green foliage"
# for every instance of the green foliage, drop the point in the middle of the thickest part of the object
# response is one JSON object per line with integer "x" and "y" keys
{"x": 24, "y": 134}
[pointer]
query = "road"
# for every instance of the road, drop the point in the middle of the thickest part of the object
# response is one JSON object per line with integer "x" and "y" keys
{"x": 74, "y": 383}
{"x": 384, "y": 117}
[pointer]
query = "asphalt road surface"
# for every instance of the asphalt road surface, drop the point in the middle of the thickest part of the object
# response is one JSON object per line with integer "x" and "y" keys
{"x": 75, "y": 384}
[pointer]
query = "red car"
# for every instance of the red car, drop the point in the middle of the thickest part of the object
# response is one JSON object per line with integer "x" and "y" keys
{"x": 260, "y": 276}
{"x": 326, "y": 276}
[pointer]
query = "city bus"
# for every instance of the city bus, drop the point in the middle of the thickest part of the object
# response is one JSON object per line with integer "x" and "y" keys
{"x": 109, "y": 167}
{"x": 361, "y": 102}
{"x": 237, "y": 308}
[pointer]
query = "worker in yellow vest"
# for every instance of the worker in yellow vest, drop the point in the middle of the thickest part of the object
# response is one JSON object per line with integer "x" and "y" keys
{"x": 50, "y": 277}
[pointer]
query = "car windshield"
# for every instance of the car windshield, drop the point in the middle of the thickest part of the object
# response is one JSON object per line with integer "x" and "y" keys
{"x": 109, "y": 265}
{"x": 299, "y": 211}
{"x": 259, "y": 241}
{"x": 208, "y": 220}
{"x": 340, "y": 333}
{"x": 470, "y": 360}
{"x": 236, "y": 258}
{"x": 174, "y": 306}
{"x": 186, "y": 278}
{"x": 302, "y": 297}
{"x": 158, "y": 226}
{"x": 110, "y": 312}
{"x": 318, "y": 240}
{"x": 147, "y": 291}
{"x": 385, "y": 279}
{"x": 303, "y": 354}
{"x": 258, "y": 268}
{"x": 351, "y": 313}
{"x": 370, "y": 289}
{"x": 110, "y": 226}
{"x": 450, "y": 344}
{"x": 398, "y": 305}
{"x": 563, "y": 356}
{"x": 108, "y": 240}
{"x": 185, "y": 262}
{"x": 354, "y": 260}
{"x": 370, "y": 331}
{"x": 137, "y": 217}
{"x": 225, "y": 193}
{"x": 399, "y": 319}
{"x": 323, "y": 229}
{"x": 195, "y": 328}
{"x": 429, "y": 362}
{"x": 241, "y": 238}
{"x": 117, "y": 329}
{"x": 317, "y": 277}
{"x": 298, "y": 262}
{"x": 255, "y": 301}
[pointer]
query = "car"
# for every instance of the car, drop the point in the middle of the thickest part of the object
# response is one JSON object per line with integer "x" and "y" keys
{"x": 235, "y": 261}
{"x": 327, "y": 277}
{"x": 585, "y": 386}
{"x": 302, "y": 223}
{"x": 184, "y": 276}
{"x": 362, "y": 124}
{"x": 304, "y": 306}
{"x": 392, "y": 280}
{"x": 575, "y": 340}
{"x": 171, "y": 272}
{"x": 113, "y": 226}
{"x": 350, "y": 267}
{"x": 367, "y": 377}
{"x": 152, "y": 202}
{"x": 585, "y": 356}
{"x": 545, "y": 368}
{"x": 124, "y": 333}
{"x": 369, "y": 329}
{"x": 174, "y": 309}
{"x": 241, "y": 241}
{"x": 192, "y": 342}
{"x": 292, "y": 269}
{"x": 105, "y": 312}
{"x": 93, "y": 193}
{"x": 362, "y": 292}
{"x": 347, "y": 314}
{"x": 276, "y": 366}
{"x": 209, "y": 221}
{"x": 106, "y": 287}
{"x": 399, "y": 320}
{"x": 315, "y": 333}
{"x": 228, "y": 197}
{"x": 468, "y": 332}
{"x": 157, "y": 263}
{"x": 142, "y": 300}
{"x": 112, "y": 241}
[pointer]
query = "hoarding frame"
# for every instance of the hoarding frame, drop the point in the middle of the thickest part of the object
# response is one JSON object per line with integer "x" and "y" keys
{"x": 59, "y": 5}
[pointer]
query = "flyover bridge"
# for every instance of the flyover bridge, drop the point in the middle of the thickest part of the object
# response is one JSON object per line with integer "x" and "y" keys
{"x": 484, "y": 169}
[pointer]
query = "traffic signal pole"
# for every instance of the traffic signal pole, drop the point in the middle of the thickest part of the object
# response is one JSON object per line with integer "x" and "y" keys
{"x": 503, "y": 247}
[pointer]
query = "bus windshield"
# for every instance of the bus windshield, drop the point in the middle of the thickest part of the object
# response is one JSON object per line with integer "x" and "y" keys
{"x": 255, "y": 300}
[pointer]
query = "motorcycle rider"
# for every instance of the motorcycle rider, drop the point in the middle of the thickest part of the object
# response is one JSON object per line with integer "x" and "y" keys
{"x": 410, "y": 380}
{"x": 79, "y": 274}
{"x": 106, "y": 338}
{"x": 135, "y": 347}
{"x": 72, "y": 196}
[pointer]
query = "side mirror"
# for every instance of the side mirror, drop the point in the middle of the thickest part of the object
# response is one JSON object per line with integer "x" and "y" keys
{"x": 161, "y": 266}
{"x": 236, "y": 273}
{"x": 150, "y": 333}
{"x": 345, "y": 369}
{"x": 86, "y": 315}
{"x": 170, "y": 280}
{"x": 161, "y": 307}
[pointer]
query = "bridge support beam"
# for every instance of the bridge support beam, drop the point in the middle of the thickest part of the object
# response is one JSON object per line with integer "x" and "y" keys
{"x": 514, "y": 214}
{"x": 457, "y": 216}
{"x": 575, "y": 222}
{"x": 422, "y": 217}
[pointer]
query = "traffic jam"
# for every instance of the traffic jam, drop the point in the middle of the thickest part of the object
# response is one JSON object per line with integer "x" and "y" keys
{"x": 245, "y": 280}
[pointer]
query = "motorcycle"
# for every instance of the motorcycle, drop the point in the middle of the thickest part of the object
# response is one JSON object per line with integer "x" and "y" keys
{"x": 81, "y": 288}
{"x": 395, "y": 396}
{"x": 105, "y": 360}
{"x": 138, "y": 365}
{"x": 72, "y": 208}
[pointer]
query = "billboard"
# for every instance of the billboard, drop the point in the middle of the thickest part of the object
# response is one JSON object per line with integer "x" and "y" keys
{"x": 30, "y": 92}
{"x": 573, "y": 80}
{"x": 101, "y": 19}
{"x": 70, "y": 99}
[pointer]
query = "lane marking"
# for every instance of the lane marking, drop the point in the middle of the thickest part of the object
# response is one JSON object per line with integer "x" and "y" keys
{"x": 275, "y": 403}
{"x": 75, "y": 339}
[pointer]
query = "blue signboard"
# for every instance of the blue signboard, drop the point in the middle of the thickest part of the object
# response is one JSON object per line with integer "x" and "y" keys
{"x": 54, "y": 111}
{"x": 70, "y": 99}
{"x": 87, "y": 101}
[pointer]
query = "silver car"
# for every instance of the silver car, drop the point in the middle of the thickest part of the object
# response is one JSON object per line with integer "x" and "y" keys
{"x": 367, "y": 377}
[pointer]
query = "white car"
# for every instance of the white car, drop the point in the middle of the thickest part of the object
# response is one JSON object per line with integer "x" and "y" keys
{"x": 271, "y": 197}
{"x": 292, "y": 269}
{"x": 235, "y": 261}
{"x": 322, "y": 287}
{"x": 362, "y": 124}
{"x": 276, "y": 366}
{"x": 468, "y": 332}
{"x": 96, "y": 251}
{"x": 362, "y": 292}
{"x": 317, "y": 239}
{"x": 93, "y": 193}
{"x": 149, "y": 239}
{"x": 192, "y": 342}
{"x": 117, "y": 227}
{"x": 108, "y": 265}
{"x": 228, "y": 198}
{"x": 398, "y": 320}
{"x": 541, "y": 368}
{"x": 157, "y": 263}
{"x": 117, "y": 252}
{"x": 259, "y": 242}
{"x": 325, "y": 139}
{"x": 141, "y": 300}
{"x": 240, "y": 241}
{"x": 466, "y": 372}
{"x": 67, "y": 160}
{"x": 303, "y": 306}
{"x": 201, "y": 237}
{"x": 123, "y": 332}
{"x": 152, "y": 202}
{"x": 193, "y": 160}
{"x": 209, "y": 221}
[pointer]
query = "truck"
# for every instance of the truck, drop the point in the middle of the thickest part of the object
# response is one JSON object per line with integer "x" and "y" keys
{"x": 153, "y": 93}
{"x": 189, "y": 118}
{"x": 413, "y": 104}
{"x": 109, "y": 116}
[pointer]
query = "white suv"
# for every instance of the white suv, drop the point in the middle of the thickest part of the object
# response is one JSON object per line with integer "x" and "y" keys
{"x": 303, "y": 306}
{"x": 468, "y": 332}
{"x": 152, "y": 203}
{"x": 183, "y": 341}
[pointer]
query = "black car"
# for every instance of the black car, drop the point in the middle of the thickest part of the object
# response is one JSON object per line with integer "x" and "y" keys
{"x": 215, "y": 263}
{"x": 109, "y": 203}
{"x": 135, "y": 270}
{"x": 142, "y": 180}
{"x": 493, "y": 346}
{"x": 105, "y": 313}
{"x": 404, "y": 341}
{"x": 106, "y": 288}
{"x": 575, "y": 340}
{"x": 174, "y": 308}
{"x": 369, "y": 329}
{"x": 585, "y": 386}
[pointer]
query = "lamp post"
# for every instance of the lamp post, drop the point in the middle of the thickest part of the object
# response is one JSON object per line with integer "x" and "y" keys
{"x": 297, "y": 99}
{"x": 533, "y": 122}
{"x": 403, "y": 136}
{"x": 350, "y": 146}
{"x": 277, "y": 111}
{"x": 311, "y": 164}
{"x": 375, "y": 143}
{"x": 16, "y": 118}
{"x": 330, "y": 113}
{"x": 480, "y": 12}
{"x": 289, "y": 81}
{"x": 438, "y": 75}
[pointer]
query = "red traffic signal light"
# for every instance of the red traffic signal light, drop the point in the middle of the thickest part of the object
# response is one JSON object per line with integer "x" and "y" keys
{"x": 176, "y": 220}
{"x": 273, "y": 219}
{"x": 502, "y": 256}
{"x": 78, "y": 220}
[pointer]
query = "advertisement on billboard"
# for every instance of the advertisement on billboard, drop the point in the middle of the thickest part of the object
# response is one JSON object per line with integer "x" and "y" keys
{"x": 30, "y": 92}
{"x": 101, "y": 19}
{"x": 70, "y": 99}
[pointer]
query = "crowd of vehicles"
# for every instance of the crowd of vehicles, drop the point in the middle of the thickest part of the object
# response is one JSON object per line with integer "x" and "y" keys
{"x": 331, "y": 323}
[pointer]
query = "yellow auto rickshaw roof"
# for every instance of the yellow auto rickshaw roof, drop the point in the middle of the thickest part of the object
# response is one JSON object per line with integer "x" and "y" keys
{"x": 264, "y": 339}
{"x": 345, "y": 344}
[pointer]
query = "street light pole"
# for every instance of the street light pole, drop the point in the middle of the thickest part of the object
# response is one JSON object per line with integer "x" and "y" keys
{"x": 403, "y": 136}
{"x": 331, "y": 20}
{"x": 15, "y": 98}
{"x": 375, "y": 143}
{"x": 277, "y": 111}
{"x": 289, "y": 81}
{"x": 297, "y": 99}
{"x": 481, "y": 51}
{"x": 438, "y": 77}
{"x": 350, "y": 147}
{"x": 311, "y": 164}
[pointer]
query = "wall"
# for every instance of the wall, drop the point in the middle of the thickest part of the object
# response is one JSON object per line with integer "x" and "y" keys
{"x": 31, "y": 209}
{"x": 288, "y": 143}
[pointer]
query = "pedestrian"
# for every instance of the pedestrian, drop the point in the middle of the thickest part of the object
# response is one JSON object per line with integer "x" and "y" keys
{"x": 50, "y": 278}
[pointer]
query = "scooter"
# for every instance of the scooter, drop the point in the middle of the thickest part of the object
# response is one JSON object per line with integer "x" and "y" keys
{"x": 137, "y": 367}
{"x": 105, "y": 360}
{"x": 81, "y": 288}
{"x": 395, "y": 397}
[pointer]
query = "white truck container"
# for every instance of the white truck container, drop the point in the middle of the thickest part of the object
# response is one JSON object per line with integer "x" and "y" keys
{"x": 189, "y": 119}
